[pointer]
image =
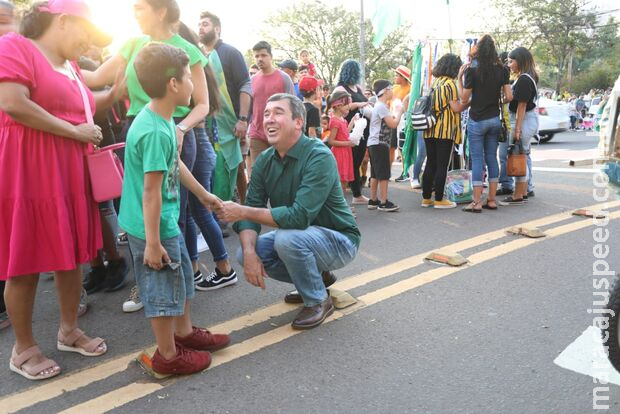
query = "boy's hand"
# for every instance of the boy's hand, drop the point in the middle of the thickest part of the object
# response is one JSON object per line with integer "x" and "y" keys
{"x": 155, "y": 256}
{"x": 212, "y": 202}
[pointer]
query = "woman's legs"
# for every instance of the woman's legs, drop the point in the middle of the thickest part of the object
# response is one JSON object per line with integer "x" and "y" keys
{"x": 431, "y": 168}
{"x": 358, "y": 156}
{"x": 19, "y": 297}
{"x": 69, "y": 286}
{"x": 443, "y": 152}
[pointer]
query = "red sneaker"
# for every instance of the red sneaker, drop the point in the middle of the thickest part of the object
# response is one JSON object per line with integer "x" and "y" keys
{"x": 187, "y": 361}
{"x": 203, "y": 340}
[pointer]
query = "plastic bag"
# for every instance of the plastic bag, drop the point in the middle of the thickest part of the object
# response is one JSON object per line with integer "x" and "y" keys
{"x": 459, "y": 188}
{"x": 358, "y": 130}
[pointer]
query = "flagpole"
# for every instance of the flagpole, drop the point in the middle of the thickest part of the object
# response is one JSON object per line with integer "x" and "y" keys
{"x": 449, "y": 25}
{"x": 362, "y": 45}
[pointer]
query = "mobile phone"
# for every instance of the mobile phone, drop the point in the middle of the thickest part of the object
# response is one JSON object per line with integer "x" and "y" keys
{"x": 474, "y": 63}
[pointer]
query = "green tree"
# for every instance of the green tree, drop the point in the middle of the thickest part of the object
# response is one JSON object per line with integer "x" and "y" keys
{"x": 331, "y": 34}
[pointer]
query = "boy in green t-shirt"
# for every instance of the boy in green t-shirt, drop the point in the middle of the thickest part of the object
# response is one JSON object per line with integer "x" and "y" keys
{"x": 150, "y": 206}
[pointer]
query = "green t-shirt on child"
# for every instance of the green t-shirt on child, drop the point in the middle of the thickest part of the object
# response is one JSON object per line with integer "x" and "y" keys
{"x": 151, "y": 146}
{"x": 137, "y": 97}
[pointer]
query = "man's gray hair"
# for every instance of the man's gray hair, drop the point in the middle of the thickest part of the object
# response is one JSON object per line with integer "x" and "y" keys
{"x": 295, "y": 104}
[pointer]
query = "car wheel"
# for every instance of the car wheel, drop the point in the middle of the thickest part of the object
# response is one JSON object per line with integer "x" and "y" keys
{"x": 545, "y": 138}
{"x": 613, "y": 330}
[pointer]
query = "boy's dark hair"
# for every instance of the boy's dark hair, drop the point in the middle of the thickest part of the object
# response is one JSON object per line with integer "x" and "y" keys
{"x": 303, "y": 67}
{"x": 156, "y": 64}
{"x": 262, "y": 45}
{"x": 214, "y": 19}
{"x": 325, "y": 118}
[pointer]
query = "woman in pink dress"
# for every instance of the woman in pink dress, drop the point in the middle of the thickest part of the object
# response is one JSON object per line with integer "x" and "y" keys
{"x": 48, "y": 219}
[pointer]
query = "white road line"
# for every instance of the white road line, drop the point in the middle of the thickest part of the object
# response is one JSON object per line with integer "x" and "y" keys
{"x": 568, "y": 170}
{"x": 579, "y": 357}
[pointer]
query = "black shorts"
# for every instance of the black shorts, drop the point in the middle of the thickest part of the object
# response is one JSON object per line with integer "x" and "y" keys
{"x": 379, "y": 162}
{"x": 393, "y": 138}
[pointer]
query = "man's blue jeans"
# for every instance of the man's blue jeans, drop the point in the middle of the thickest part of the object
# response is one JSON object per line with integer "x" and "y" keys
{"x": 299, "y": 257}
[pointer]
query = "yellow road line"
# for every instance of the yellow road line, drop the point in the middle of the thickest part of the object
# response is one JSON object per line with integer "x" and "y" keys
{"x": 79, "y": 379}
{"x": 115, "y": 399}
{"x": 282, "y": 333}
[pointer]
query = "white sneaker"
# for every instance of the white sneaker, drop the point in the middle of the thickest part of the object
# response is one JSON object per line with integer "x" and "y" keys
{"x": 201, "y": 243}
{"x": 133, "y": 304}
{"x": 415, "y": 184}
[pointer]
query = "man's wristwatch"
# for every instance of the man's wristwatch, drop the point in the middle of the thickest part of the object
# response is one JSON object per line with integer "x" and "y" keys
{"x": 243, "y": 118}
{"x": 183, "y": 128}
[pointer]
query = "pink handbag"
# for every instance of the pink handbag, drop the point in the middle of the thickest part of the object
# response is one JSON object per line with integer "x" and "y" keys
{"x": 104, "y": 167}
{"x": 106, "y": 173}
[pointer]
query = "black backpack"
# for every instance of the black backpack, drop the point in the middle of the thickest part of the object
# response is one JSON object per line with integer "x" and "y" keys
{"x": 423, "y": 114}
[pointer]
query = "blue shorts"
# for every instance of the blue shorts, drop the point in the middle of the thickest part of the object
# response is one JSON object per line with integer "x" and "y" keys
{"x": 163, "y": 292}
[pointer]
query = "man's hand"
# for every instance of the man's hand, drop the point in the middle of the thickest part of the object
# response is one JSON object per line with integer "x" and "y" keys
{"x": 241, "y": 129}
{"x": 155, "y": 256}
{"x": 230, "y": 212}
{"x": 254, "y": 270}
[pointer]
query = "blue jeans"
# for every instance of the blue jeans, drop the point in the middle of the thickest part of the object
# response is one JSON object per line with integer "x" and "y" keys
{"x": 504, "y": 180}
{"x": 164, "y": 291}
{"x": 203, "y": 172}
{"x": 417, "y": 167}
{"x": 483, "y": 137}
{"x": 529, "y": 128}
{"x": 186, "y": 223}
{"x": 299, "y": 257}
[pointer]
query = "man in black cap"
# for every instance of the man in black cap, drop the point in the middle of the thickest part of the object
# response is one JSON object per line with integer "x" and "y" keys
{"x": 289, "y": 66}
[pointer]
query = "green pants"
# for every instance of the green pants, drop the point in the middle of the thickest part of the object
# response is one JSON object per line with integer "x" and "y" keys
{"x": 224, "y": 180}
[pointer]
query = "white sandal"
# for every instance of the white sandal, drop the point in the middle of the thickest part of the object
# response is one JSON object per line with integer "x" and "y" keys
{"x": 67, "y": 343}
{"x": 36, "y": 372}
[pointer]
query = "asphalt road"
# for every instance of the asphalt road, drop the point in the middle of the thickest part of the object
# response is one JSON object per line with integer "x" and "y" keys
{"x": 424, "y": 338}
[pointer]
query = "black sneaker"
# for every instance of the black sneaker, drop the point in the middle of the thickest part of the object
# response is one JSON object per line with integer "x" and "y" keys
{"x": 388, "y": 206}
{"x": 402, "y": 179}
{"x": 373, "y": 204}
{"x": 531, "y": 193}
{"x": 217, "y": 280}
{"x": 509, "y": 201}
{"x": 95, "y": 280}
{"x": 503, "y": 191}
{"x": 117, "y": 273}
{"x": 198, "y": 277}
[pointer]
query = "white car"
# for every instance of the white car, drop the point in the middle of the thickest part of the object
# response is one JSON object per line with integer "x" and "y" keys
{"x": 553, "y": 117}
{"x": 594, "y": 105}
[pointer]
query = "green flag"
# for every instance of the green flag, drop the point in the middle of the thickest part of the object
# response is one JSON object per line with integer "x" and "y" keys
{"x": 410, "y": 150}
{"x": 385, "y": 19}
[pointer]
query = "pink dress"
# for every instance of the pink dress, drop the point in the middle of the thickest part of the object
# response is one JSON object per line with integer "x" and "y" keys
{"x": 343, "y": 155}
{"x": 48, "y": 219}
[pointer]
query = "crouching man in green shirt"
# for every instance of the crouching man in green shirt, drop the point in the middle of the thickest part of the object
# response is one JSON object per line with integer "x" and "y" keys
{"x": 315, "y": 230}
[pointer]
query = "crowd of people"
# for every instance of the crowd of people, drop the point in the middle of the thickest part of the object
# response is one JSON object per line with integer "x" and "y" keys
{"x": 208, "y": 142}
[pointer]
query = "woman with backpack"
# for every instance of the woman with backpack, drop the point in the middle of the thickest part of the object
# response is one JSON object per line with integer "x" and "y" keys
{"x": 440, "y": 138}
{"x": 484, "y": 79}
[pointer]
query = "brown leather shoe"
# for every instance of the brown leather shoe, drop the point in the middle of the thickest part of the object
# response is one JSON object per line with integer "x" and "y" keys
{"x": 294, "y": 297}
{"x": 313, "y": 316}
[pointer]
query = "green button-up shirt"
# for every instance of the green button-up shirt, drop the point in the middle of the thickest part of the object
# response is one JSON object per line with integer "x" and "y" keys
{"x": 303, "y": 189}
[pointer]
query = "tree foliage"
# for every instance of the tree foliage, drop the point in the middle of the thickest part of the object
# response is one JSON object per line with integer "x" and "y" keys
{"x": 565, "y": 36}
{"x": 331, "y": 34}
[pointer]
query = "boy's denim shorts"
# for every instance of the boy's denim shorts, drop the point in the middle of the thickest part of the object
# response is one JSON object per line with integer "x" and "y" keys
{"x": 163, "y": 292}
